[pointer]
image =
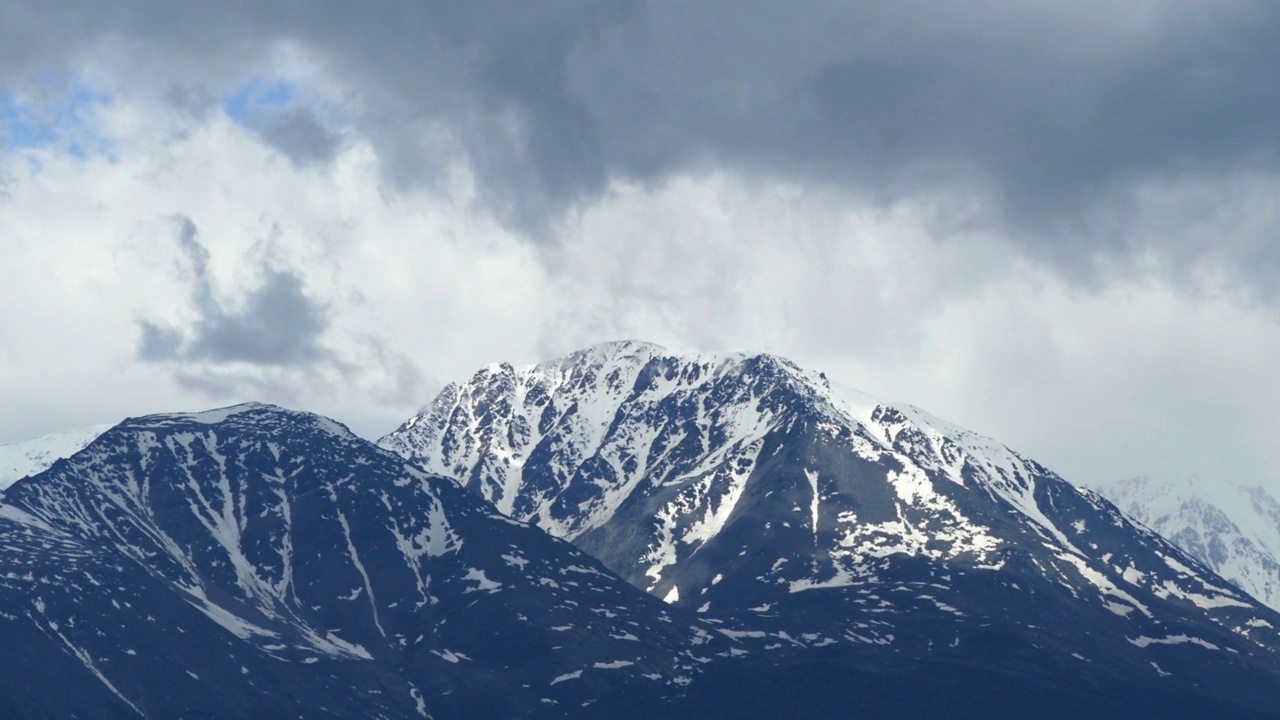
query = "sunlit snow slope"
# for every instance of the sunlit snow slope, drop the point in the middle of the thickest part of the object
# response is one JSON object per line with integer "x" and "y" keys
{"x": 18, "y": 460}
{"x": 1233, "y": 529}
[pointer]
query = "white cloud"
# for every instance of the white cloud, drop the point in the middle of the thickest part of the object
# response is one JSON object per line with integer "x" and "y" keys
{"x": 91, "y": 248}
{"x": 1144, "y": 373}
{"x": 423, "y": 285}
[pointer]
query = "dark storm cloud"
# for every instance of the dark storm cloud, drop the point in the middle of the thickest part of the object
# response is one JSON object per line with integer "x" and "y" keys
{"x": 276, "y": 325}
{"x": 300, "y": 135}
{"x": 1053, "y": 112}
{"x": 158, "y": 344}
{"x": 279, "y": 325}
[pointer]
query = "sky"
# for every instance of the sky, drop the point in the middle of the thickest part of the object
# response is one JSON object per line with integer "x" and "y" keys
{"x": 1054, "y": 223}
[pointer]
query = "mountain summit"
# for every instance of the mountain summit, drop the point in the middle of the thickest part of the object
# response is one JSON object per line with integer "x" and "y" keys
{"x": 803, "y": 514}
{"x": 257, "y": 562}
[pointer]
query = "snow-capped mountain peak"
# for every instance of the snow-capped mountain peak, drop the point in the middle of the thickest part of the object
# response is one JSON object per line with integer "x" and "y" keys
{"x": 822, "y": 553}
{"x": 189, "y": 564}
{"x": 738, "y": 485}
{"x": 31, "y": 457}
{"x": 20, "y": 459}
{"x": 1231, "y": 528}
{"x": 596, "y": 404}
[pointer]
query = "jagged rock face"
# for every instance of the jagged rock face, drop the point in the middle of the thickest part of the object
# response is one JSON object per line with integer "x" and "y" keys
{"x": 255, "y": 562}
{"x": 1232, "y": 529}
{"x": 800, "y": 514}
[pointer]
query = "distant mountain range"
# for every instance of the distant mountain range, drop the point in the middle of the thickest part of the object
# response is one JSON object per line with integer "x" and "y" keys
{"x": 749, "y": 540}
{"x": 18, "y": 460}
{"x": 1232, "y": 529}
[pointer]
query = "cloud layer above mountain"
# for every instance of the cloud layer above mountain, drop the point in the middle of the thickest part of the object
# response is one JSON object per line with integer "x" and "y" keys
{"x": 1054, "y": 223}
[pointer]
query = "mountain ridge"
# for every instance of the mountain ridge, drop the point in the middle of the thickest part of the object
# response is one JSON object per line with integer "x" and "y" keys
{"x": 821, "y": 552}
{"x": 802, "y": 514}
{"x": 308, "y": 572}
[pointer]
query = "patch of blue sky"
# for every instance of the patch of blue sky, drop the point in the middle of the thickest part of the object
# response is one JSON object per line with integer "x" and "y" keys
{"x": 60, "y": 118}
{"x": 260, "y": 101}
{"x": 257, "y": 101}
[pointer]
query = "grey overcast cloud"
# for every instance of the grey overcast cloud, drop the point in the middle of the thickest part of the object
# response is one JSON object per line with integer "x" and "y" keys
{"x": 1051, "y": 222}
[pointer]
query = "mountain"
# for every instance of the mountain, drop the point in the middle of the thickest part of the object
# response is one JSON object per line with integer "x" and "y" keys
{"x": 254, "y": 562}
{"x": 1234, "y": 530}
{"x": 823, "y": 555}
{"x": 809, "y": 520}
{"x": 18, "y": 460}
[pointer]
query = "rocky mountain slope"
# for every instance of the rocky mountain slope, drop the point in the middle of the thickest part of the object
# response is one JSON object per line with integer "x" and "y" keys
{"x": 256, "y": 562}
{"x": 801, "y": 516}
{"x": 822, "y": 554}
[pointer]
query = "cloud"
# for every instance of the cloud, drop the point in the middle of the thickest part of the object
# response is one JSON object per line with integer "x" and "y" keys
{"x": 52, "y": 112}
{"x": 1051, "y": 222}
{"x": 300, "y": 127}
{"x": 1045, "y": 119}
{"x": 1145, "y": 375}
{"x": 300, "y": 135}
{"x": 159, "y": 279}
{"x": 158, "y": 344}
{"x": 276, "y": 324}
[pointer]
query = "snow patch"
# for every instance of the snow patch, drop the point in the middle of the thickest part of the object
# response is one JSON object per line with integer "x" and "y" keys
{"x": 1144, "y": 641}
{"x": 567, "y": 676}
{"x": 482, "y": 583}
